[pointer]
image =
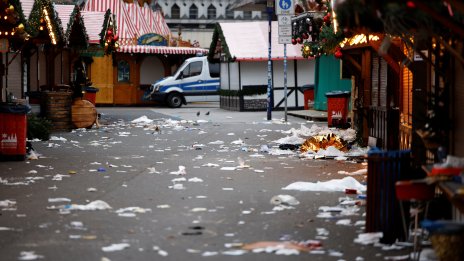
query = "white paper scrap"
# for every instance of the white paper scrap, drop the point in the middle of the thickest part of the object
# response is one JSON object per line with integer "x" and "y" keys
{"x": 54, "y": 200}
{"x": 330, "y": 186}
{"x": 94, "y": 205}
{"x": 228, "y": 168}
{"x": 115, "y": 247}
{"x": 29, "y": 255}
{"x": 368, "y": 238}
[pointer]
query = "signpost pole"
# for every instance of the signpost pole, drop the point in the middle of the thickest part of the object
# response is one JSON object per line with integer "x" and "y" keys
{"x": 285, "y": 79}
{"x": 284, "y": 10}
{"x": 270, "y": 7}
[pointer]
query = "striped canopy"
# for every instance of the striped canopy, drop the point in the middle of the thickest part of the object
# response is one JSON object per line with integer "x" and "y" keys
{"x": 132, "y": 20}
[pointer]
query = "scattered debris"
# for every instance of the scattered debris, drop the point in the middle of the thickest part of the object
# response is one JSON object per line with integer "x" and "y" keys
{"x": 181, "y": 171}
{"x": 284, "y": 200}
{"x": 368, "y": 238}
{"x": 115, "y": 247}
{"x": 29, "y": 255}
{"x": 278, "y": 247}
{"x": 94, "y": 205}
{"x": 131, "y": 211}
{"x": 332, "y": 185}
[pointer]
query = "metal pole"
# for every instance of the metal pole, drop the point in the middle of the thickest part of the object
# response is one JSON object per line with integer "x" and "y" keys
{"x": 270, "y": 5}
{"x": 285, "y": 79}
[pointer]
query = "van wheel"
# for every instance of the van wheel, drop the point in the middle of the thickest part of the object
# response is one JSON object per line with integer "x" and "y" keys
{"x": 174, "y": 100}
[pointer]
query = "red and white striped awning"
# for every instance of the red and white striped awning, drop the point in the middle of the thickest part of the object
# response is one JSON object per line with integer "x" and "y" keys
{"x": 160, "y": 49}
{"x": 132, "y": 20}
{"x": 125, "y": 28}
{"x": 27, "y": 5}
{"x": 64, "y": 13}
{"x": 93, "y": 22}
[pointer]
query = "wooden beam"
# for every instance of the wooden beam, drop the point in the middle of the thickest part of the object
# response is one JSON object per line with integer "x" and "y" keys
{"x": 387, "y": 57}
{"x": 353, "y": 62}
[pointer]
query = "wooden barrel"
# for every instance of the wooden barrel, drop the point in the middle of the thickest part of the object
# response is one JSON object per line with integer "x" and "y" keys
{"x": 84, "y": 114}
{"x": 58, "y": 110}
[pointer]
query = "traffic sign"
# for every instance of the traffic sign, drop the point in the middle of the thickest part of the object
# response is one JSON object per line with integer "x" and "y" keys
{"x": 285, "y": 39}
{"x": 285, "y": 30}
{"x": 285, "y": 7}
{"x": 284, "y": 19}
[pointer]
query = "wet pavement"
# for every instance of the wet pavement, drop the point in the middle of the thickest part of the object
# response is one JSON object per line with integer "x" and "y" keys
{"x": 180, "y": 187}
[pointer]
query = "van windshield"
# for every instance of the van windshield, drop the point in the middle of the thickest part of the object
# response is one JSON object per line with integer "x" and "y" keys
{"x": 181, "y": 66}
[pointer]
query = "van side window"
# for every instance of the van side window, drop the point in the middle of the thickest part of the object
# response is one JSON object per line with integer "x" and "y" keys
{"x": 192, "y": 69}
{"x": 214, "y": 70}
{"x": 195, "y": 68}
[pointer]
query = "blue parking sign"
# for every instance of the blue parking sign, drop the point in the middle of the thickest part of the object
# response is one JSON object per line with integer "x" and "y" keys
{"x": 285, "y": 7}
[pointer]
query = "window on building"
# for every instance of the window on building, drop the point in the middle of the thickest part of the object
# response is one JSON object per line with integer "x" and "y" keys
{"x": 247, "y": 15}
{"x": 264, "y": 15}
{"x": 193, "y": 12}
{"x": 229, "y": 12}
{"x": 211, "y": 12}
{"x": 123, "y": 71}
{"x": 175, "y": 12}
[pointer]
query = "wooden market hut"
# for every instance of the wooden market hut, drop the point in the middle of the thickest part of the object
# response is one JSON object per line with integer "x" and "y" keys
{"x": 427, "y": 66}
{"x": 142, "y": 57}
{"x": 381, "y": 98}
{"x": 47, "y": 59}
{"x": 12, "y": 34}
{"x": 242, "y": 50}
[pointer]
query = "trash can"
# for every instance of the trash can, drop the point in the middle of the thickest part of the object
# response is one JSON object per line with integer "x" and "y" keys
{"x": 337, "y": 108}
{"x": 308, "y": 93}
{"x": 90, "y": 94}
{"x": 13, "y": 131}
{"x": 383, "y": 214}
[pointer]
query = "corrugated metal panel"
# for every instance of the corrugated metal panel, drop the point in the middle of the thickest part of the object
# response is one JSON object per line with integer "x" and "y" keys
{"x": 14, "y": 76}
{"x": 406, "y": 92}
{"x": 375, "y": 80}
{"x": 383, "y": 83}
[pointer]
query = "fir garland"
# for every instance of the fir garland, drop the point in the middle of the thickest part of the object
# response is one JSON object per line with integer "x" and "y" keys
{"x": 19, "y": 9}
{"x": 77, "y": 17}
{"x": 219, "y": 35}
{"x": 327, "y": 42}
{"x": 33, "y": 23}
{"x": 112, "y": 45}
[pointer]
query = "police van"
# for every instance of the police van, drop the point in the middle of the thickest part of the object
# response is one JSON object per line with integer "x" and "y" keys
{"x": 195, "y": 80}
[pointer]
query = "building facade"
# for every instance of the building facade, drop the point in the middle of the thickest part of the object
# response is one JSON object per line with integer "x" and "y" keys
{"x": 194, "y": 20}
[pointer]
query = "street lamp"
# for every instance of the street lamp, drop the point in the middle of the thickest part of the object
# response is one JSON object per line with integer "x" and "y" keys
{"x": 270, "y": 10}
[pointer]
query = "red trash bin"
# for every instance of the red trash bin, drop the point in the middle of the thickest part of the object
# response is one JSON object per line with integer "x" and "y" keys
{"x": 308, "y": 94}
{"x": 337, "y": 108}
{"x": 91, "y": 94}
{"x": 13, "y": 131}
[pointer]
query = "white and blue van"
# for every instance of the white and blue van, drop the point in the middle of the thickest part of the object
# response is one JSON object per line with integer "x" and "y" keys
{"x": 195, "y": 80}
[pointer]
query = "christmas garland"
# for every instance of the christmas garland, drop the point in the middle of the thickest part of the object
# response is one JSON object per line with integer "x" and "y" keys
{"x": 36, "y": 18}
{"x": 77, "y": 17}
{"x": 219, "y": 35}
{"x": 317, "y": 35}
{"x": 399, "y": 18}
{"x": 108, "y": 37}
{"x": 19, "y": 10}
